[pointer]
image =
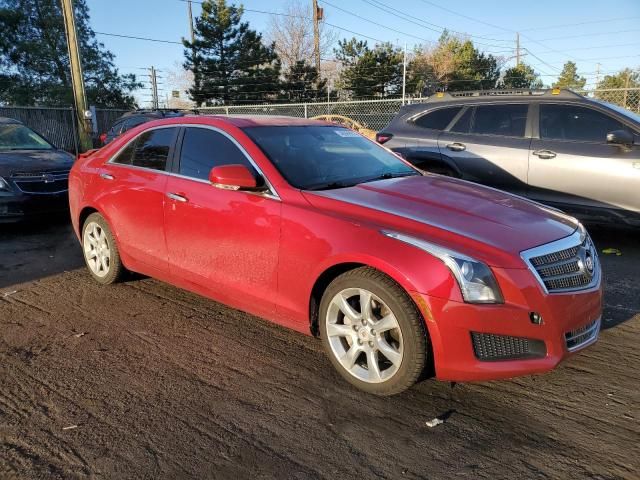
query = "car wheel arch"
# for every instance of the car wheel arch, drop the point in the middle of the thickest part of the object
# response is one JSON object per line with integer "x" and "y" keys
{"x": 332, "y": 271}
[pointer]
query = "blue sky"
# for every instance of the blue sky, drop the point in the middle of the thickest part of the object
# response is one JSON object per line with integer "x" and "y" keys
{"x": 608, "y": 33}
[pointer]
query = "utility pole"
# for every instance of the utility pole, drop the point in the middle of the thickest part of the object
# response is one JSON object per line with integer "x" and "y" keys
{"x": 317, "y": 16}
{"x": 154, "y": 88}
{"x": 404, "y": 73}
{"x": 517, "y": 49}
{"x": 193, "y": 36}
{"x": 83, "y": 114}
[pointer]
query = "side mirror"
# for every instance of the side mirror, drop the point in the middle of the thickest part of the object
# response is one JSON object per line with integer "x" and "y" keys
{"x": 233, "y": 177}
{"x": 620, "y": 137}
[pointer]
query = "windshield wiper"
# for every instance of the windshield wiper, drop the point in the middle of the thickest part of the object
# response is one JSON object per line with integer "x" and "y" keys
{"x": 329, "y": 186}
{"x": 388, "y": 175}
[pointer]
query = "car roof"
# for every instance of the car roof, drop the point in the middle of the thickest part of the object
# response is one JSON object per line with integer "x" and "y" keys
{"x": 9, "y": 121}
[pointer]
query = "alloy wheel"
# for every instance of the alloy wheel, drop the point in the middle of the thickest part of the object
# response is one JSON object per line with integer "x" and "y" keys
{"x": 364, "y": 335}
{"x": 97, "y": 251}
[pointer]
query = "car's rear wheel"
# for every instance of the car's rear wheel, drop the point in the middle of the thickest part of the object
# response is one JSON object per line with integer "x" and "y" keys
{"x": 372, "y": 332}
{"x": 100, "y": 251}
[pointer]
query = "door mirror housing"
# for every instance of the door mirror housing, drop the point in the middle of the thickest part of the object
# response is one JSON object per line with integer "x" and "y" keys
{"x": 233, "y": 177}
{"x": 620, "y": 137}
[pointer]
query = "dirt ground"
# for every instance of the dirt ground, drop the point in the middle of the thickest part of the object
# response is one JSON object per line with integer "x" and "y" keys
{"x": 143, "y": 380}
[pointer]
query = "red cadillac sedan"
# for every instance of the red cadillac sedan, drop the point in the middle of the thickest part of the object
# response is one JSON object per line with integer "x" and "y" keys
{"x": 316, "y": 228}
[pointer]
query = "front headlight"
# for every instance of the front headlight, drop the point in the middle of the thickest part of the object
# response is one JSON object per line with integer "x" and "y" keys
{"x": 4, "y": 186}
{"x": 476, "y": 281}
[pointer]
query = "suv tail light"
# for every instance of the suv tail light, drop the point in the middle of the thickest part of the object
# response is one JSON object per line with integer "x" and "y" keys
{"x": 383, "y": 137}
{"x": 103, "y": 138}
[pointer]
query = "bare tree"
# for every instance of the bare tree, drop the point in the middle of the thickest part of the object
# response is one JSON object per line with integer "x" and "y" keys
{"x": 179, "y": 80}
{"x": 292, "y": 34}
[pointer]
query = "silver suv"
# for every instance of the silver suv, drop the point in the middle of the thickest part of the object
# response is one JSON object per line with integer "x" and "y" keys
{"x": 554, "y": 146}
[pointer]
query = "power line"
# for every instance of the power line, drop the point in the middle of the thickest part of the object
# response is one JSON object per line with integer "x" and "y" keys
{"x": 591, "y": 34}
{"x": 550, "y": 27}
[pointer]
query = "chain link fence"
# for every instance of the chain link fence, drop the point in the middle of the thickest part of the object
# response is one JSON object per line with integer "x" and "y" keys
{"x": 368, "y": 116}
{"x": 58, "y": 124}
{"x": 376, "y": 114}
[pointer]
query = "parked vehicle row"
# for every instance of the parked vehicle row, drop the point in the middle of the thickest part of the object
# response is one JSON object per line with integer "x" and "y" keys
{"x": 553, "y": 146}
{"x": 316, "y": 228}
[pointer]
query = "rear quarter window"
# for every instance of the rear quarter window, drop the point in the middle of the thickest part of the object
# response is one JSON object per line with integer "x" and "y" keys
{"x": 437, "y": 119}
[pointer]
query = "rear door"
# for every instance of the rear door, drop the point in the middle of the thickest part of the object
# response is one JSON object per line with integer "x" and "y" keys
{"x": 134, "y": 186}
{"x": 422, "y": 132}
{"x": 573, "y": 166}
{"x": 489, "y": 144}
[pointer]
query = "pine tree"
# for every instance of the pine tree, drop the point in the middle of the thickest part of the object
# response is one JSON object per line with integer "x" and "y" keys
{"x": 569, "y": 78}
{"x": 521, "y": 76}
{"x": 34, "y": 60}
{"x": 369, "y": 72}
{"x": 301, "y": 84}
{"x": 229, "y": 61}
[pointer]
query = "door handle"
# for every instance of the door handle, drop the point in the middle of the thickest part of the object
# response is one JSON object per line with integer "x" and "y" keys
{"x": 107, "y": 176}
{"x": 177, "y": 197}
{"x": 544, "y": 154}
{"x": 457, "y": 147}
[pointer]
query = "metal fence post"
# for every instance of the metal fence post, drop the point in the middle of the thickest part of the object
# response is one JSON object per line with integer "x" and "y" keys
{"x": 226, "y": 110}
{"x": 306, "y": 114}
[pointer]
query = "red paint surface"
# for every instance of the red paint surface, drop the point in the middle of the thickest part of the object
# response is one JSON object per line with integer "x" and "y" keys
{"x": 264, "y": 255}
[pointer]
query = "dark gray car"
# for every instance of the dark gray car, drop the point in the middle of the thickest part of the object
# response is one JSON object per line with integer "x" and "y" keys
{"x": 554, "y": 146}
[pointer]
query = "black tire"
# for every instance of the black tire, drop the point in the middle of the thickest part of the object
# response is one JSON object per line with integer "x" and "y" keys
{"x": 411, "y": 324}
{"x": 116, "y": 269}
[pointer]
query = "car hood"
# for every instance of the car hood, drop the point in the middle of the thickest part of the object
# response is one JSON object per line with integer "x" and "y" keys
{"x": 452, "y": 212}
{"x": 33, "y": 161}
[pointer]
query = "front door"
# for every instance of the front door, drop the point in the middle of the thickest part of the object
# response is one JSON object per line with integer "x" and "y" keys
{"x": 224, "y": 241}
{"x": 571, "y": 165}
{"x": 489, "y": 145}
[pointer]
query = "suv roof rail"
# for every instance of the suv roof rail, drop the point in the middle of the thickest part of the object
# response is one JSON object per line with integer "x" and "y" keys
{"x": 513, "y": 92}
{"x": 142, "y": 111}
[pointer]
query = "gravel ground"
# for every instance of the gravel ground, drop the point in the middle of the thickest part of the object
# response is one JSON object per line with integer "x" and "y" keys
{"x": 143, "y": 380}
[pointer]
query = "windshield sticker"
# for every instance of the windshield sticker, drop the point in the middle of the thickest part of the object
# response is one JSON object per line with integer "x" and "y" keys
{"x": 347, "y": 133}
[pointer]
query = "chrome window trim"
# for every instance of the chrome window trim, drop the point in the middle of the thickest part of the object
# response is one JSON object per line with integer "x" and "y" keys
{"x": 573, "y": 240}
{"x": 272, "y": 193}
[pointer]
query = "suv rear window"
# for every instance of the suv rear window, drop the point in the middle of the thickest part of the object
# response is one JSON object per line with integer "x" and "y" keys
{"x": 438, "y": 119}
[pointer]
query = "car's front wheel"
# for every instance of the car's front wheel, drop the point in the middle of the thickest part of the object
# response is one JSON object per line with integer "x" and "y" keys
{"x": 372, "y": 332}
{"x": 100, "y": 250}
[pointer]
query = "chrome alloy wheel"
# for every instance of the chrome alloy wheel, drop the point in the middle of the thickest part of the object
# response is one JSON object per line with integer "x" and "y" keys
{"x": 97, "y": 251}
{"x": 364, "y": 335}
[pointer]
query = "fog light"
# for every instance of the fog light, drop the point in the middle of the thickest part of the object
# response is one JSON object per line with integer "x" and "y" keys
{"x": 535, "y": 318}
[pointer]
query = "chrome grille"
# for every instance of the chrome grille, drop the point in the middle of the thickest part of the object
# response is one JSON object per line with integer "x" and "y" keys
{"x": 581, "y": 337}
{"x": 569, "y": 264}
{"x": 42, "y": 182}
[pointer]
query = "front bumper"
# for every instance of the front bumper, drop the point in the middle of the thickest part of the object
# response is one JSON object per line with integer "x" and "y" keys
{"x": 570, "y": 322}
{"x": 15, "y": 208}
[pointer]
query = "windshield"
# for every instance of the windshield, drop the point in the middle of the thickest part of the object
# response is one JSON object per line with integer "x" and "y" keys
{"x": 14, "y": 136}
{"x": 627, "y": 113}
{"x": 324, "y": 157}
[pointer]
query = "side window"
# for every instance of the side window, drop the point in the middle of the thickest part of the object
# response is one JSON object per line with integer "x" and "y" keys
{"x": 438, "y": 119}
{"x": 464, "y": 122}
{"x": 133, "y": 122}
{"x": 203, "y": 149}
{"x": 569, "y": 122}
{"x": 505, "y": 120}
{"x": 149, "y": 150}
